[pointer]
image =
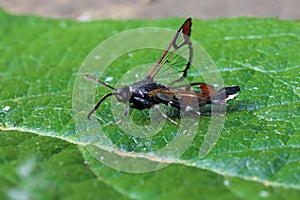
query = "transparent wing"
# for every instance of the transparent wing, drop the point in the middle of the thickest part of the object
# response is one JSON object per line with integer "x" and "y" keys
{"x": 173, "y": 64}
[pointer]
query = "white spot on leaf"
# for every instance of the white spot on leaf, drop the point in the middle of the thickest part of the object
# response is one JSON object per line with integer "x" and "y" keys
{"x": 108, "y": 79}
{"x": 97, "y": 57}
{"x": 226, "y": 183}
{"x": 19, "y": 194}
{"x": 26, "y": 168}
{"x": 264, "y": 194}
{"x": 6, "y": 108}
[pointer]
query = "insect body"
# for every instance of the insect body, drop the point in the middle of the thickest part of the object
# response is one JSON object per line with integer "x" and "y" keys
{"x": 148, "y": 92}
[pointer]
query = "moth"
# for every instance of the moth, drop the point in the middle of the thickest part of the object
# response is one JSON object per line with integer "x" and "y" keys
{"x": 149, "y": 92}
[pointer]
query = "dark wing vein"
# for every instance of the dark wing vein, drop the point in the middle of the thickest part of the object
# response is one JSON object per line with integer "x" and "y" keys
{"x": 177, "y": 57}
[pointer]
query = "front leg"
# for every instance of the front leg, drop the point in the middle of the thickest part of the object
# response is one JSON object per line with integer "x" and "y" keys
{"x": 156, "y": 107}
{"x": 125, "y": 114}
{"x": 141, "y": 103}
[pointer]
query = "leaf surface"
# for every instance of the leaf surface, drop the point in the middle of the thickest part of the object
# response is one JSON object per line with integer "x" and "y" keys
{"x": 257, "y": 155}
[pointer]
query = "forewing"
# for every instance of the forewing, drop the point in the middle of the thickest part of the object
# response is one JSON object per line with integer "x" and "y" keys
{"x": 173, "y": 64}
{"x": 194, "y": 95}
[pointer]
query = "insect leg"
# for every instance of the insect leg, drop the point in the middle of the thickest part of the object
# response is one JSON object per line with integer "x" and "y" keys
{"x": 212, "y": 115}
{"x": 156, "y": 107}
{"x": 125, "y": 114}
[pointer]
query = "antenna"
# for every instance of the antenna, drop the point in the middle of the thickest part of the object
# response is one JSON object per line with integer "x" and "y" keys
{"x": 88, "y": 77}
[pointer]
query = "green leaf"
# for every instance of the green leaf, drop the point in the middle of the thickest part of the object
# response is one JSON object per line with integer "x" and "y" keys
{"x": 38, "y": 167}
{"x": 256, "y": 157}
